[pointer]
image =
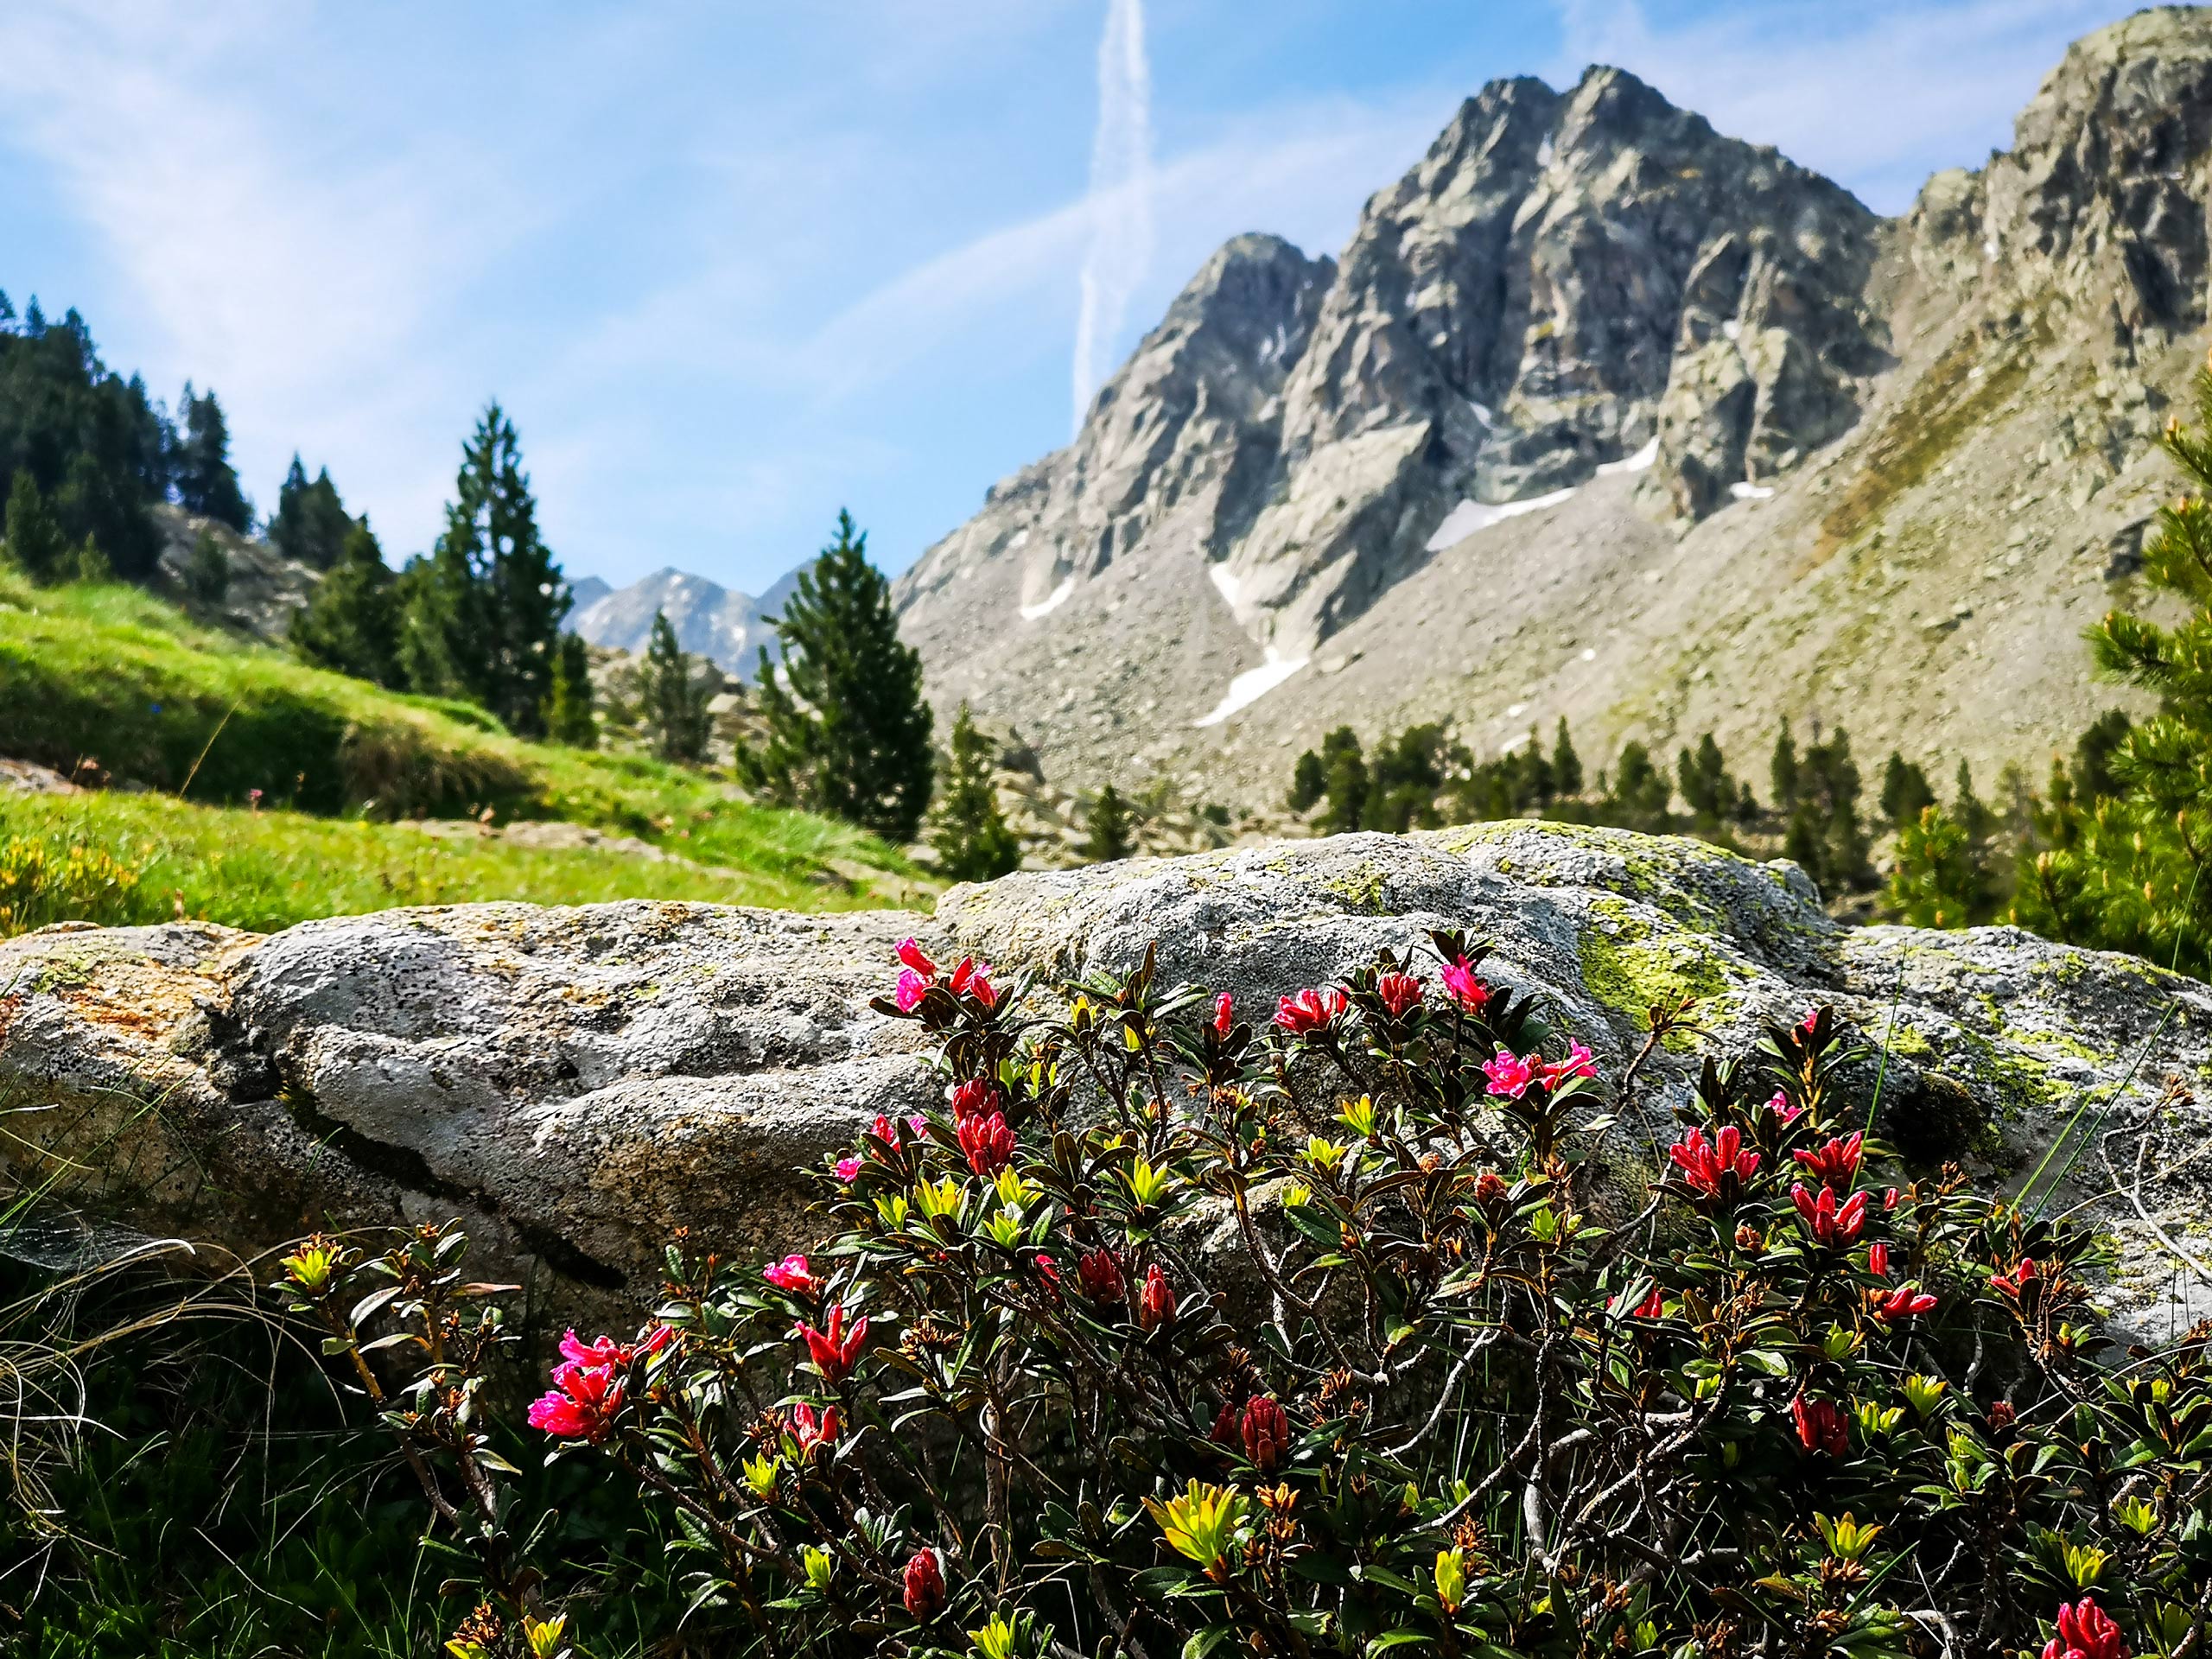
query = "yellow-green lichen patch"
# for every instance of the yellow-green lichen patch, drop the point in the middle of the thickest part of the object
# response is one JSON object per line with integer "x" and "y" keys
{"x": 1628, "y": 966}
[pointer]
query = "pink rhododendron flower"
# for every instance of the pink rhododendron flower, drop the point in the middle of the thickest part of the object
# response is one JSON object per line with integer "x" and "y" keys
{"x": 1049, "y": 1269}
{"x": 989, "y": 1143}
{"x": 1224, "y": 1013}
{"x": 1510, "y": 1075}
{"x": 1812, "y": 1018}
{"x": 811, "y": 1432}
{"x": 910, "y": 954}
{"x": 790, "y": 1275}
{"x": 1465, "y": 987}
{"x": 1399, "y": 993}
{"x": 973, "y": 978}
{"x": 1704, "y": 1166}
{"x": 848, "y": 1170}
{"x": 1309, "y": 1011}
{"x": 1836, "y": 1162}
{"x": 835, "y": 1351}
{"x": 1578, "y": 1064}
{"x": 1834, "y": 1224}
{"x": 1778, "y": 1103}
{"x": 582, "y": 1402}
{"x": 2086, "y": 1631}
{"x": 911, "y": 988}
{"x": 2016, "y": 1283}
{"x": 605, "y": 1352}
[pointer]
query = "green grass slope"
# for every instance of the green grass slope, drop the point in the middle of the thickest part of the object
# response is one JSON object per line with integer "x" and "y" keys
{"x": 111, "y": 675}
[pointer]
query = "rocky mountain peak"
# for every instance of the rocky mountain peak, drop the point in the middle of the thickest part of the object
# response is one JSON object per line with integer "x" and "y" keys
{"x": 1584, "y": 346}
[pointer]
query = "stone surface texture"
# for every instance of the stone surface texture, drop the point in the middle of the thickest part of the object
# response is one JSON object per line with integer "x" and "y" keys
{"x": 577, "y": 1084}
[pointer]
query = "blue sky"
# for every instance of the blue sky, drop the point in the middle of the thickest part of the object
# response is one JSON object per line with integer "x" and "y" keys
{"x": 731, "y": 266}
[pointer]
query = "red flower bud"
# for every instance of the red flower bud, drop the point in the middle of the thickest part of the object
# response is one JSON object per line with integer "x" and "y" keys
{"x": 989, "y": 1144}
{"x": 1399, "y": 992}
{"x": 1101, "y": 1273}
{"x": 1156, "y": 1302}
{"x": 1266, "y": 1431}
{"x": 976, "y": 1098}
{"x": 1224, "y": 1013}
{"x": 925, "y": 1586}
{"x": 1819, "y": 1427}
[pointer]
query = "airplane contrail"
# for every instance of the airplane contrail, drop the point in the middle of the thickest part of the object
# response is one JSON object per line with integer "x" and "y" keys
{"x": 1121, "y": 196}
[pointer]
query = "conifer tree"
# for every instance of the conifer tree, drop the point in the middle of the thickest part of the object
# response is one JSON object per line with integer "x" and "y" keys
{"x": 1640, "y": 791}
{"x": 351, "y": 624}
{"x": 2126, "y": 872}
{"x": 1702, "y": 776}
{"x": 205, "y": 481}
{"x": 847, "y": 729}
{"x": 1905, "y": 792}
{"x": 1108, "y": 827}
{"x": 671, "y": 699}
{"x": 1941, "y": 879}
{"x": 967, "y": 831}
{"x": 310, "y": 523}
{"x": 207, "y": 571}
{"x": 1309, "y": 781}
{"x": 1343, "y": 769}
{"x": 568, "y": 715}
{"x": 34, "y": 539}
{"x": 484, "y": 611}
{"x": 1567, "y": 765}
{"x": 1781, "y": 771}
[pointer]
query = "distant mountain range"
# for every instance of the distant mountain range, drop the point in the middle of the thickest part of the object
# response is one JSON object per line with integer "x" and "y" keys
{"x": 710, "y": 620}
{"x": 1603, "y": 414}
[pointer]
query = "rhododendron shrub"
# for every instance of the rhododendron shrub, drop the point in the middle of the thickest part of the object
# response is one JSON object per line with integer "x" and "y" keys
{"x": 1370, "y": 1320}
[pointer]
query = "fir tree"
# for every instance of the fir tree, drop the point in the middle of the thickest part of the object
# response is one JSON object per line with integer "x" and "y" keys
{"x": 484, "y": 612}
{"x": 1567, "y": 765}
{"x": 1708, "y": 790}
{"x": 671, "y": 699}
{"x": 1640, "y": 791}
{"x": 1108, "y": 828}
{"x": 847, "y": 730}
{"x": 311, "y": 523}
{"x": 351, "y": 624}
{"x": 967, "y": 830}
{"x": 1309, "y": 781}
{"x": 1905, "y": 792}
{"x": 569, "y": 715}
{"x": 34, "y": 539}
{"x": 201, "y": 466}
{"x": 208, "y": 570}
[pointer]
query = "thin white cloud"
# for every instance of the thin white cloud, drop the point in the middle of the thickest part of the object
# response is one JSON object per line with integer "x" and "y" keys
{"x": 1876, "y": 96}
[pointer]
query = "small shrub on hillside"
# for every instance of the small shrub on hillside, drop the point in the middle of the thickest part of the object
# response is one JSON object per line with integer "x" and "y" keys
{"x": 1360, "y": 1322}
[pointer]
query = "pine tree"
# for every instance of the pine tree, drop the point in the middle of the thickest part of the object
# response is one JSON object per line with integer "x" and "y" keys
{"x": 569, "y": 715}
{"x": 351, "y": 624}
{"x": 34, "y": 539}
{"x": 1708, "y": 790}
{"x": 1905, "y": 792}
{"x": 1309, "y": 781}
{"x": 207, "y": 571}
{"x": 1942, "y": 877}
{"x": 1640, "y": 790}
{"x": 2126, "y": 869}
{"x": 311, "y": 523}
{"x": 1567, "y": 765}
{"x": 1108, "y": 828}
{"x": 847, "y": 729}
{"x": 205, "y": 481}
{"x": 967, "y": 830}
{"x": 484, "y": 612}
{"x": 1345, "y": 770}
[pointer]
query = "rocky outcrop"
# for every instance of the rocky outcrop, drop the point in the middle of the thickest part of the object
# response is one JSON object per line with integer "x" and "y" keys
{"x": 1604, "y": 415}
{"x": 579, "y": 1083}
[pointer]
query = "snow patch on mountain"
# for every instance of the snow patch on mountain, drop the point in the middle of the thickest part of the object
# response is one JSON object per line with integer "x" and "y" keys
{"x": 1469, "y": 517}
{"x": 1250, "y": 686}
{"x": 1052, "y": 602}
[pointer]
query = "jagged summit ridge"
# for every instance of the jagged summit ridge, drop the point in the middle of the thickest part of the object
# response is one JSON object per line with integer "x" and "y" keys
{"x": 1604, "y": 414}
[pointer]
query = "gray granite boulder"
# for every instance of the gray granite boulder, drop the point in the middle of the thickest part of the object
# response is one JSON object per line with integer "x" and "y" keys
{"x": 579, "y": 1083}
